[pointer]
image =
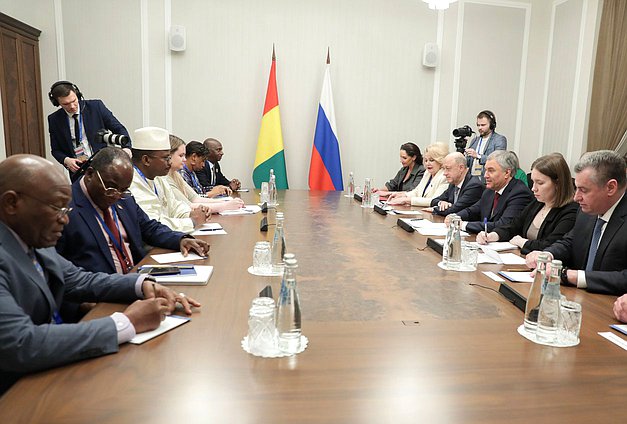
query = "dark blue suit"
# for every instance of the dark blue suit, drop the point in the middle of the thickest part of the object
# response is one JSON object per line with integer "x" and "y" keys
{"x": 84, "y": 244}
{"x": 469, "y": 193}
{"x": 514, "y": 199}
{"x": 95, "y": 116}
{"x": 609, "y": 271}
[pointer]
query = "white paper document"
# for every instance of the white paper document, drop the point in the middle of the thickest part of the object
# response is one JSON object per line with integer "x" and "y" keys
{"x": 517, "y": 276}
{"x": 246, "y": 210}
{"x": 210, "y": 229}
{"x": 200, "y": 278}
{"x": 489, "y": 256}
{"x": 493, "y": 276}
{"x": 168, "y": 258}
{"x": 618, "y": 341}
{"x": 430, "y": 228}
{"x": 397, "y": 212}
{"x": 170, "y": 322}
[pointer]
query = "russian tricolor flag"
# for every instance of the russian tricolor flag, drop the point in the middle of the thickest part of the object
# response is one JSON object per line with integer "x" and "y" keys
{"x": 325, "y": 169}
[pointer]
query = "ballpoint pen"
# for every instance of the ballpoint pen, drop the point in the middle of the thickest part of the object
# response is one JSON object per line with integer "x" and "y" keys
{"x": 485, "y": 227}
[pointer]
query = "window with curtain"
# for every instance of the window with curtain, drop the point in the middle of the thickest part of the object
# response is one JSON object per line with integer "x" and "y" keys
{"x": 608, "y": 106}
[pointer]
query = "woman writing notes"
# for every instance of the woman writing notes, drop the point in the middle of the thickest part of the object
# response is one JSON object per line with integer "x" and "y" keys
{"x": 408, "y": 177}
{"x": 432, "y": 184}
{"x": 549, "y": 216}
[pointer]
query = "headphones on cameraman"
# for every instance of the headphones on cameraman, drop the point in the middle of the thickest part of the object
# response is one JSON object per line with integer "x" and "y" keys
{"x": 73, "y": 86}
{"x": 491, "y": 118}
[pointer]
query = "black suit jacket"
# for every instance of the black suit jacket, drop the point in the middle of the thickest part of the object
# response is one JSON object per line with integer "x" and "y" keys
{"x": 609, "y": 272}
{"x": 514, "y": 199}
{"x": 204, "y": 176}
{"x": 558, "y": 222}
{"x": 96, "y": 116}
{"x": 470, "y": 192}
{"x": 84, "y": 244}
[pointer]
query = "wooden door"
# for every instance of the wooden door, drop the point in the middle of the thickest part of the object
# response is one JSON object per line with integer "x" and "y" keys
{"x": 20, "y": 84}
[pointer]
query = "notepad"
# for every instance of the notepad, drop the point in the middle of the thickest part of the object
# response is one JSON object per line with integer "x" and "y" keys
{"x": 246, "y": 210}
{"x": 168, "y": 258}
{"x": 517, "y": 276}
{"x": 200, "y": 278}
{"x": 210, "y": 229}
{"x": 170, "y": 322}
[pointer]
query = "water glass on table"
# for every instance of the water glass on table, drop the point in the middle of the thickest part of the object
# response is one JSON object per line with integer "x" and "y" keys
{"x": 470, "y": 255}
{"x": 569, "y": 323}
{"x": 262, "y": 326}
{"x": 264, "y": 196}
{"x": 262, "y": 257}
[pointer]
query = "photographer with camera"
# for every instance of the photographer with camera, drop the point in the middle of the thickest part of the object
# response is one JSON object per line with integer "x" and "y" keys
{"x": 79, "y": 128}
{"x": 486, "y": 142}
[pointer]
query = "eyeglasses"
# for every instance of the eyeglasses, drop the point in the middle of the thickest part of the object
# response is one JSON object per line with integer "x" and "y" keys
{"x": 61, "y": 212}
{"x": 114, "y": 192}
{"x": 168, "y": 158}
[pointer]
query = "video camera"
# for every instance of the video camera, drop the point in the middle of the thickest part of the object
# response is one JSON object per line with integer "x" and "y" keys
{"x": 460, "y": 135}
{"x": 102, "y": 136}
{"x": 107, "y": 137}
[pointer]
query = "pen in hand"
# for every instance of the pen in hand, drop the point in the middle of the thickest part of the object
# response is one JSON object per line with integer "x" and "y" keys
{"x": 485, "y": 227}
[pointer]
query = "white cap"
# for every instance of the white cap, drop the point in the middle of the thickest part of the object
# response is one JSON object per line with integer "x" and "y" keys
{"x": 151, "y": 138}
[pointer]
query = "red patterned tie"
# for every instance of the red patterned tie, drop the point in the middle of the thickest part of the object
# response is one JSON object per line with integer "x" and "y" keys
{"x": 495, "y": 202}
{"x": 108, "y": 219}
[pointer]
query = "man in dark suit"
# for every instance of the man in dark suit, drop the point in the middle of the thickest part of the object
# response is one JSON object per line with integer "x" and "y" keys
{"x": 74, "y": 126}
{"x": 504, "y": 198}
{"x": 484, "y": 144}
{"x": 101, "y": 197}
{"x": 211, "y": 175}
{"x": 35, "y": 280}
{"x": 463, "y": 190}
{"x": 594, "y": 251}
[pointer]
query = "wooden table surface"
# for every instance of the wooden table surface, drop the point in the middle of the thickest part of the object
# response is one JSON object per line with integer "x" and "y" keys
{"x": 392, "y": 339}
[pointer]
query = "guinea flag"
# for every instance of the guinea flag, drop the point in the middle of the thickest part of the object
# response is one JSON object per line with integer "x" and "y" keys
{"x": 270, "y": 154}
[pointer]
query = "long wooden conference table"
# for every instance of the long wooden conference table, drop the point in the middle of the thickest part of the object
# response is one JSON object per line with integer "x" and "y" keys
{"x": 392, "y": 339}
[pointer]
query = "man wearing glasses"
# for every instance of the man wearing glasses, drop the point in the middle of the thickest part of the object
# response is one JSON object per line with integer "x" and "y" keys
{"x": 108, "y": 225}
{"x": 35, "y": 280}
{"x": 151, "y": 158}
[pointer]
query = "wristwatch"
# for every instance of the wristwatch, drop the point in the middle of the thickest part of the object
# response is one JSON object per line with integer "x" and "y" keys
{"x": 564, "y": 275}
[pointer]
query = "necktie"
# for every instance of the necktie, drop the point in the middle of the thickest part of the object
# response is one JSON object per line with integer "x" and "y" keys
{"x": 594, "y": 245}
{"x": 108, "y": 219}
{"x": 56, "y": 318}
{"x": 456, "y": 195}
{"x": 213, "y": 175}
{"x": 495, "y": 203}
{"x": 77, "y": 130}
{"x": 36, "y": 264}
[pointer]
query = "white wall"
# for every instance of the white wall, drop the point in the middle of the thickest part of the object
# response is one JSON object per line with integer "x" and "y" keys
{"x": 495, "y": 54}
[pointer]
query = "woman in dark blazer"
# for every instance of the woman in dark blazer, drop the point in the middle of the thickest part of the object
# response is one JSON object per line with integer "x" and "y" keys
{"x": 550, "y": 216}
{"x": 408, "y": 177}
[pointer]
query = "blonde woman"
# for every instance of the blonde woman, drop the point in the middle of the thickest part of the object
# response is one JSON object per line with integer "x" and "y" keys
{"x": 433, "y": 182}
{"x": 182, "y": 191}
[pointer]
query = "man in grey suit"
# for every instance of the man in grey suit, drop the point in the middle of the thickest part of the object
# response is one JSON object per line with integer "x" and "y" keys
{"x": 593, "y": 252}
{"x": 35, "y": 280}
{"x": 484, "y": 144}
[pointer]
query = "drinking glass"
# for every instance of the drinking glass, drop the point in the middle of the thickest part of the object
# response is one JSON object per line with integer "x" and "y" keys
{"x": 264, "y": 196}
{"x": 569, "y": 323}
{"x": 470, "y": 255}
{"x": 262, "y": 258}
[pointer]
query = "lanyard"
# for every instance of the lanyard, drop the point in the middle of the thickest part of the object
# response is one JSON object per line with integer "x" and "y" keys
{"x": 193, "y": 178}
{"x": 117, "y": 243}
{"x": 141, "y": 174}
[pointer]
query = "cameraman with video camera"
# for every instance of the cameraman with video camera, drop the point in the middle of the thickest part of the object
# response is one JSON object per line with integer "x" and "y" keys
{"x": 79, "y": 128}
{"x": 486, "y": 142}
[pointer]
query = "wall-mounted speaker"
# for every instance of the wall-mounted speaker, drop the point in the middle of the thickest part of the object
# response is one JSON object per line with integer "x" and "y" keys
{"x": 178, "y": 41}
{"x": 430, "y": 55}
